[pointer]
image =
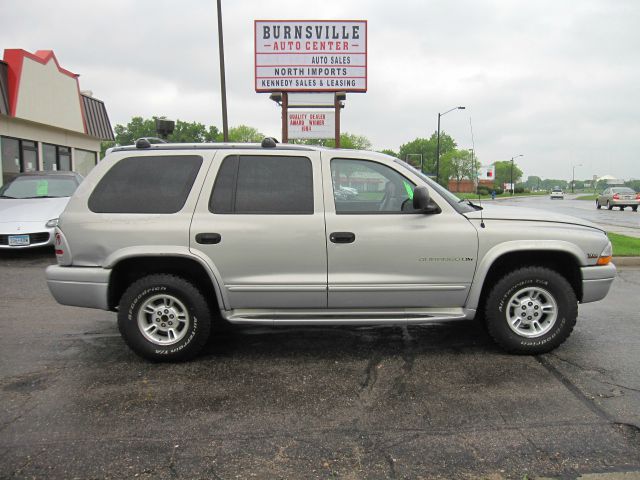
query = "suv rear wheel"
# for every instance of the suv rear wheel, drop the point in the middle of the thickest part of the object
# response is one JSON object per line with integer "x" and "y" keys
{"x": 164, "y": 318}
{"x": 531, "y": 310}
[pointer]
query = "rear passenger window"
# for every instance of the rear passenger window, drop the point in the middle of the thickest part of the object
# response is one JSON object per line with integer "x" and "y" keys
{"x": 256, "y": 184}
{"x": 146, "y": 184}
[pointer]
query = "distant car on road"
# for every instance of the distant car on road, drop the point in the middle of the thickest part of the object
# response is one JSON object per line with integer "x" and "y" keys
{"x": 30, "y": 205}
{"x": 618, "y": 197}
{"x": 557, "y": 193}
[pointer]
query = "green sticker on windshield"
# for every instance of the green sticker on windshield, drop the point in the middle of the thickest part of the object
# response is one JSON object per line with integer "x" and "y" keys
{"x": 42, "y": 189}
{"x": 408, "y": 188}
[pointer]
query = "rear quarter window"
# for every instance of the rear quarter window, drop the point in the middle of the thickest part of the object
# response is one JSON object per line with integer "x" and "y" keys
{"x": 146, "y": 184}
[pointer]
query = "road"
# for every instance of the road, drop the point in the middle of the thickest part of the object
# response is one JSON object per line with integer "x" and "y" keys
{"x": 420, "y": 402}
{"x": 625, "y": 222}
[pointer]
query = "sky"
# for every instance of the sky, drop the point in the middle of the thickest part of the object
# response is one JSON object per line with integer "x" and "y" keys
{"x": 557, "y": 81}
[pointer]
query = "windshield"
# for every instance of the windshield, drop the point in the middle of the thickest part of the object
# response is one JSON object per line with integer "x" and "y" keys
{"x": 452, "y": 199}
{"x": 39, "y": 186}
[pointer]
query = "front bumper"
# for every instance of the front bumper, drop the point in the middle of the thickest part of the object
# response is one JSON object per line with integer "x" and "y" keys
{"x": 39, "y": 237}
{"x": 79, "y": 286}
{"x": 596, "y": 282}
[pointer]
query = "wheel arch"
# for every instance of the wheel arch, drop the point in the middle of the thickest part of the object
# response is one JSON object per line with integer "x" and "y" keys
{"x": 128, "y": 269}
{"x": 501, "y": 260}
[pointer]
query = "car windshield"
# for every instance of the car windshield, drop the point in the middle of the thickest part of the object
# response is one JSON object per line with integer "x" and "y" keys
{"x": 452, "y": 199}
{"x": 39, "y": 186}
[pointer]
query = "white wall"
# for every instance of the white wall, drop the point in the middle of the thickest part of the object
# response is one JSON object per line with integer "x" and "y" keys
{"x": 48, "y": 96}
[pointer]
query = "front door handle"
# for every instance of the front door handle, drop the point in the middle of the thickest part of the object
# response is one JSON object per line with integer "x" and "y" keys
{"x": 208, "y": 238}
{"x": 342, "y": 237}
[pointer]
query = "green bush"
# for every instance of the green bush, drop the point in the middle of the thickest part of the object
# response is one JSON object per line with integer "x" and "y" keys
{"x": 482, "y": 190}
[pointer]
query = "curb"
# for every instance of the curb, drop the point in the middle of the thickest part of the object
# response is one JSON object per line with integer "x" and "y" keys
{"x": 626, "y": 261}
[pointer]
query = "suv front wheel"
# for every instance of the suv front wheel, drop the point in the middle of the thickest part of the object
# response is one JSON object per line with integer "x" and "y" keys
{"x": 164, "y": 318}
{"x": 531, "y": 310}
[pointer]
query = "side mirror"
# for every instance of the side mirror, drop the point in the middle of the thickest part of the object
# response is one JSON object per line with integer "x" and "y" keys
{"x": 421, "y": 200}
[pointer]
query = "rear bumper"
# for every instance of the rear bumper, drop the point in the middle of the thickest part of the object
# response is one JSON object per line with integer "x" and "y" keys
{"x": 625, "y": 203}
{"x": 596, "y": 282}
{"x": 79, "y": 286}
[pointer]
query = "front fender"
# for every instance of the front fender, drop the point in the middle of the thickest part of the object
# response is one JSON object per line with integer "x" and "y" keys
{"x": 493, "y": 254}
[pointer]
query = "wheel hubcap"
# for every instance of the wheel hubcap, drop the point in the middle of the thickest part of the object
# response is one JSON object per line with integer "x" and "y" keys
{"x": 163, "y": 319}
{"x": 531, "y": 312}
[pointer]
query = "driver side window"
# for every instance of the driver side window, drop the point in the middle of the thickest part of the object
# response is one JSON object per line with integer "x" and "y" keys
{"x": 364, "y": 187}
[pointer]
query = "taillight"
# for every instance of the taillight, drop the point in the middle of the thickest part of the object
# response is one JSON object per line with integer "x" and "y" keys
{"x": 637, "y": 196}
{"x": 616, "y": 196}
{"x": 59, "y": 250}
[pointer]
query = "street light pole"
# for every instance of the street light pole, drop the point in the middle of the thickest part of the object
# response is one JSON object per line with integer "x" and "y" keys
{"x": 438, "y": 144}
{"x": 223, "y": 85}
{"x": 573, "y": 176}
{"x": 512, "y": 185}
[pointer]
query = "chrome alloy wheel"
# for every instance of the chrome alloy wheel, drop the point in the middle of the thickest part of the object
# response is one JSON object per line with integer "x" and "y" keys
{"x": 531, "y": 312}
{"x": 163, "y": 319}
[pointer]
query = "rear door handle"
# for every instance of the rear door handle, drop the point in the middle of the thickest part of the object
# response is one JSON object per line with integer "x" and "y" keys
{"x": 342, "y": 237}
{"x": 208, "y": 238}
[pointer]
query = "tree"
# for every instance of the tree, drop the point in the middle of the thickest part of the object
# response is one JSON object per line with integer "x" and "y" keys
{"x": 503, "y": 172}
{"x": 456, "y": 164}
{"x": 184, "y": 132}
{"x": 389, "y": 152}
{"x": 533, "y": 182}
{"x": 347, "y": 140}
{"x": 428, "y": 147}
{"x": 245, "y": 134}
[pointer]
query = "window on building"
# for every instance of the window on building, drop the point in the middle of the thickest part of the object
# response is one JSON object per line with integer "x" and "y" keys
{"x": 146, "y": 184}
{"x": 17, "y": 156}
{"x": 84, "y": 161}
{"x": 55, "y": 157}
{"x": 257, "y": 184}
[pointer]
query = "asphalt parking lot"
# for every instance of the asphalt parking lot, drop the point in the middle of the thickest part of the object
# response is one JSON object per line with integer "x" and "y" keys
{"x": 419, "y": 402}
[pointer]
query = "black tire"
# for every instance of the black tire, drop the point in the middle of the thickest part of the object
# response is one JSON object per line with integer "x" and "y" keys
{"x": 634, "y": 208}
{"x": 609, "y": 206}
{"x": 191, "y": 304}
{"x": 621, "y": 209}
{"x": 598, "y": 206}
{"x": 497, "y": 311}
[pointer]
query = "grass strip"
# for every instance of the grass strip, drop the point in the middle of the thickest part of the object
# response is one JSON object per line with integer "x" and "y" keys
{"x": 624, "y": 246}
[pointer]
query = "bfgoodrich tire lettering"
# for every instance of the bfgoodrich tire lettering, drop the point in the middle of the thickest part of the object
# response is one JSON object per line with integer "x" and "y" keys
{"x": 164, "y": 318}
{"x": 553, "y": 292}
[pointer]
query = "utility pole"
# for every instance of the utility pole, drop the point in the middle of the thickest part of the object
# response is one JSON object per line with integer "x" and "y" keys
{"x": 223, "y": 84}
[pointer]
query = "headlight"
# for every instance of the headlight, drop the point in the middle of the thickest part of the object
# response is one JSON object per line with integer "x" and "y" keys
{"x": 52, "y": 223}
{"x": 605, "y": 256}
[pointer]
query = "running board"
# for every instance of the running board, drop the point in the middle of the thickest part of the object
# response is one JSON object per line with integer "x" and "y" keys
{"x": 407, "y": 316}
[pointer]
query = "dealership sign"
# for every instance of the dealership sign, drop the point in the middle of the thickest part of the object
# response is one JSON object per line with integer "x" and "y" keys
{"x": 311, "y": 55}
{"x": 311, "y": 124}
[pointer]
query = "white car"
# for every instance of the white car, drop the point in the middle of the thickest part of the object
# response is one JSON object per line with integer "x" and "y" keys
{"x": 557, "y": 193}
{"x": 30, "y": 205}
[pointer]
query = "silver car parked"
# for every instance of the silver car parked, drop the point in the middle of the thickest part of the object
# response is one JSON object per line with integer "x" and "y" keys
{"x": 30, "y": 205}
{"x": 620, "y": 197}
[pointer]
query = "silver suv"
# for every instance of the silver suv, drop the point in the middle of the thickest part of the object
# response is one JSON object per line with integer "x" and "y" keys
{"x": 172, "y": 236}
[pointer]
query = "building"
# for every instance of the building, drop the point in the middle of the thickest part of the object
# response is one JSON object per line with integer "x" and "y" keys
{"x": 46, "y": 122}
